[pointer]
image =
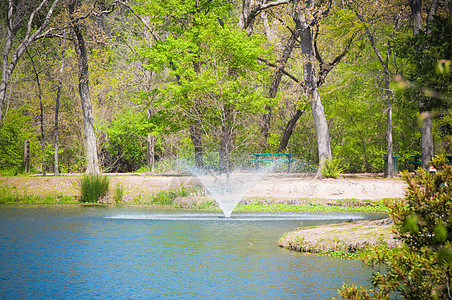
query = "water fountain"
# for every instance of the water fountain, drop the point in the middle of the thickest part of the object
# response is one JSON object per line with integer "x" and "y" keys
{"x": 228, "y": 189}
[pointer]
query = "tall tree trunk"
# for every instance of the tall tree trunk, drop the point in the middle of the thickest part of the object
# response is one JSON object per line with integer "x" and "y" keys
{"x": 245, "y": 20}
{"x": 307, "y": 49}
{"x": 321, "y": 126}
{"x": 416, "y": 13}
{"x": 43, "y": 142}
{"x": 289, "y": 130}
{"x": 226, "y": 139}
{"x": 196, "y": 138}
{"x": 426, "y": 136}
{"x": 57, "y": 110}
{"x": 389, "y": 167}
{"x": 92, "y": 164}
{"x": 151, "y": 147}
{"x": 151, "y": 152}
{"x": 426, "y": 130}
{"x": 390, "y": 164}
{"x": 27, "y": 156}
{"x": 196, "y": 127}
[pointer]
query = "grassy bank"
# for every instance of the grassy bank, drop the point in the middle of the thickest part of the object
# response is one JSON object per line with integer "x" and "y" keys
{"x": 178, "y": 192}
{"x": 347, "y": 240}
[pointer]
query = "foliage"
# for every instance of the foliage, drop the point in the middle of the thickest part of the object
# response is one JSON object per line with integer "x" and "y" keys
{"x": 422, "y": 267}
{"x": 427, "y": 76}
{"x": 333, "y": 168}
{"x": 192, "y": 63}
{"x": 215, "y": 75}
{"x": 124, "y": 149}
{"x": 428, "y": 54}
{"x": 310, "y": 207}
{"x": 167, "y": 197}
{"x": 93, "y": 188}
{"x": 8, "y": 195}
{"x": 119, "y": 193}
{"x": 13, "y": 132}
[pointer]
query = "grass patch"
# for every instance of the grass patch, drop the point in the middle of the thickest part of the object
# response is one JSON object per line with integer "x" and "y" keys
{"x": 310, "y": 207}
{"x": 345, "y": 240}
{"x": 119, "y": 193}
{"x": 93, "y": 188}
{"x": 9, "y": 195}
{"x": 165, "y": 197}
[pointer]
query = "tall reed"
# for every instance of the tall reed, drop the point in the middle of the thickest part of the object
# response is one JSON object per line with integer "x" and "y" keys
{"x": 93, "y": 187}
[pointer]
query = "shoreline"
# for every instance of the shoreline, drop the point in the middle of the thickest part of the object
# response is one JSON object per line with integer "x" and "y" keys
{"x": 346, "y": 240}
{"x": 273, "y": 193}
{"x": 275, "y": 187}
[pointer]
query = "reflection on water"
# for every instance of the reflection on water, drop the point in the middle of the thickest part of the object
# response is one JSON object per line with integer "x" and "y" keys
{"x": 111, "y": 252}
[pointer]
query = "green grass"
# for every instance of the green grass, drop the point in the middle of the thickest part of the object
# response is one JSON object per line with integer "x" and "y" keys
{"x": 360, "y": 254}
{"x": 93, "y": 188}
{"x": 8, "y": 195}
{"x": 310, "y": 207}
{"x": 165, "y": 197}
{"x": 119, "y": 193}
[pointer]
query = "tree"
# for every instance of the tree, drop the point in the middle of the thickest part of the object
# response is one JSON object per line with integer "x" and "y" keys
{"x": 57, "y": 110}
{"x": 384, "y": 62}
{"x": 307, "y": 16}
{"x": 426, "y": 130}
{"x": 73, "y": 9}
{"x": 43, "y": 141}
{"x": 22, "y": 14}
{"x": 215, "y": 70}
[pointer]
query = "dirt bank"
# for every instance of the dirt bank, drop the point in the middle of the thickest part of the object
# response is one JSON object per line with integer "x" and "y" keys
{"x": 286, "y": 186}
{"x": 273, "y": 186}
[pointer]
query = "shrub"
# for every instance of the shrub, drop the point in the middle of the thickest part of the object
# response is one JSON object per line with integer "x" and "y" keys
{"x": 163, "y": 198}
{"x": 422, "y": 267}
{"x": 93, "y": 188}
{"x": 119, "y": 192}
{"x": 332, "y": 168}
{"x": 167, "y": 197}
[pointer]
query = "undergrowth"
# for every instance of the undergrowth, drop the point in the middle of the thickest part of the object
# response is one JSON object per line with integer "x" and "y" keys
{"x": 310, "y": 207}
{"x": 7, "y": 196}
{"x": 93, "y": 188}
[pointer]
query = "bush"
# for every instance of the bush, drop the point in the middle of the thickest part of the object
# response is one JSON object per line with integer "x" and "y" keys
{"x": 14, "y": 130}
{"x": 422, "y": 267}
{"x": 332, "y": 168}
{"x": 119, "y": 192}
{"x": 93, "y": 188}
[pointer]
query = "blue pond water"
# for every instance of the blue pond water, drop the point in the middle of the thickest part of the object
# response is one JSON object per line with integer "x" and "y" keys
{"x": 141, "y": 253}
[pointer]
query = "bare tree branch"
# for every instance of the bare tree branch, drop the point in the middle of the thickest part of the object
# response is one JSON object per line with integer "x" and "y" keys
{"x": 280, "y": 68}
{"x": 140, "y": 17}
{"x": 8, "y": 66}
{"x": 326, "y": 68}
{"x": 256, "y": 10}
{"x": 287, "y": 26}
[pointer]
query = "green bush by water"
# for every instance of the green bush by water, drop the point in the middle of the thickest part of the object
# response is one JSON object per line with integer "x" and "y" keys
{"x": 167, "y": 197}
{"x": 421, "y": 267}
{"x": 332, "y": 168}
{"x": 119, "y": 193}
{"x": 93, "y": 188}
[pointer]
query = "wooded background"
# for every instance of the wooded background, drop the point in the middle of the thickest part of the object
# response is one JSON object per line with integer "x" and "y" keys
{"x": 125, "y": 86}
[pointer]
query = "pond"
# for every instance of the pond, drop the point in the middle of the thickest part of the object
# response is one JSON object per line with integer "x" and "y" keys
{"x": 143, "y": 253}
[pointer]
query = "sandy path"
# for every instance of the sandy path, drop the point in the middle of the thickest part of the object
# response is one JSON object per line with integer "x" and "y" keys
{"x": 293, "y": 187}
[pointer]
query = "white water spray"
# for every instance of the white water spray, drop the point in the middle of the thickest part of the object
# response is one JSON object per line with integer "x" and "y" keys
{"x": 228, "y": 189}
